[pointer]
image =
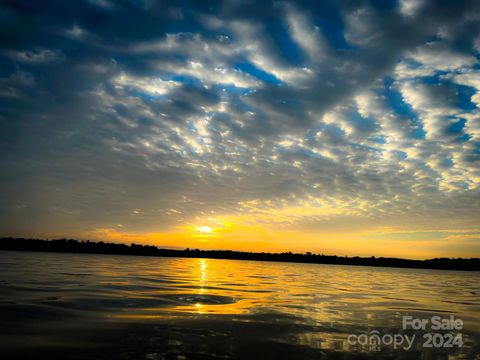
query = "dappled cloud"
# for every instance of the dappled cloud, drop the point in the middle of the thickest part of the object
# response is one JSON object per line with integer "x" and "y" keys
{"x": 349, "y": 128}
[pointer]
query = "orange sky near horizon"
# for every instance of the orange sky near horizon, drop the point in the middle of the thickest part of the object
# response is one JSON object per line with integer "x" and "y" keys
{"x": 231, "y": 234}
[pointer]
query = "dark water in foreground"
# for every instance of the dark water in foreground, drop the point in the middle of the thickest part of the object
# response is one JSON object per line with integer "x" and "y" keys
{"x": 69, "y": 306}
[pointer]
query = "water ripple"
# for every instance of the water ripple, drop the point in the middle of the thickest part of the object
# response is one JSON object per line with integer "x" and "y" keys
{"x": 149, "y": 308}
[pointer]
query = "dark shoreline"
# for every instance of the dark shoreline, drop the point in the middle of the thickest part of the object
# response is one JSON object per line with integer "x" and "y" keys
{"x": 89, "y": 247}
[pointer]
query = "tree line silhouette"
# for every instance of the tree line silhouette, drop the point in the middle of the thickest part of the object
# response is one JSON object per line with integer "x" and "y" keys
{"x": 90, "y": 247}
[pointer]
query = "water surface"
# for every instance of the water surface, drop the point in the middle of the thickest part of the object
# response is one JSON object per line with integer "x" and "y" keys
{"x": 77, "y": 306}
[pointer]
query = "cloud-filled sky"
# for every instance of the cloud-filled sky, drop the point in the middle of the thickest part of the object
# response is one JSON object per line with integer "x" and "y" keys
{"x": 341, "y": 127}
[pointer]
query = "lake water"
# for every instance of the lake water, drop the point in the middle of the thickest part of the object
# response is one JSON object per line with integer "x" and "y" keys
{"x": 74, "y": 306}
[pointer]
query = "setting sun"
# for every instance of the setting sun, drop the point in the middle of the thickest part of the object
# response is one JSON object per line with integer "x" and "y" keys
{"x": 204, "y": 229}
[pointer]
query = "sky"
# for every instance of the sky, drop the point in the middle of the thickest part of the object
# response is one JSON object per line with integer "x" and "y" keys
{"x": 336, "y": 127}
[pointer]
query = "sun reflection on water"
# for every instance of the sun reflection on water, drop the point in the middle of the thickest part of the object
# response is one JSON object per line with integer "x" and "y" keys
{"x": 316, "y": 306}
{"x": 203, "y": 275}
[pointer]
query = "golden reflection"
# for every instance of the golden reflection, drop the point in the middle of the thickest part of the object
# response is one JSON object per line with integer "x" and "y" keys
{"x": 213, "y": 286}
{"x": 314, "y": 294}
{"x": 344, "y": 299}
{"x": 199, "y": 308}
{"x": 203, "y": 275}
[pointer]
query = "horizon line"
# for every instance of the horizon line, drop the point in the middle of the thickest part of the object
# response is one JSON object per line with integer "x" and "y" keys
{"x": 64, "y": 245}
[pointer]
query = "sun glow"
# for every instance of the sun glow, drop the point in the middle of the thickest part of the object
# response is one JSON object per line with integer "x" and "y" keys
{"x": 204, "y": 229}
{"x": 268, "y": 229}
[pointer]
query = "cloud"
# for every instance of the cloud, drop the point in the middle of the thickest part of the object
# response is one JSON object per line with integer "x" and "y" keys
{"x": 434, "y": 57}
{"x": 306, "y": 35}
{"x": 147, "y": 85}
{"x": 295, "y": 114}
{"x": 410, "y": 7}
{"x": 36, "y": 56}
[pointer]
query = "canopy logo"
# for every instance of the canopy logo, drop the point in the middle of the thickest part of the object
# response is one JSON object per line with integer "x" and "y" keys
{"x": 431, "y": 336}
